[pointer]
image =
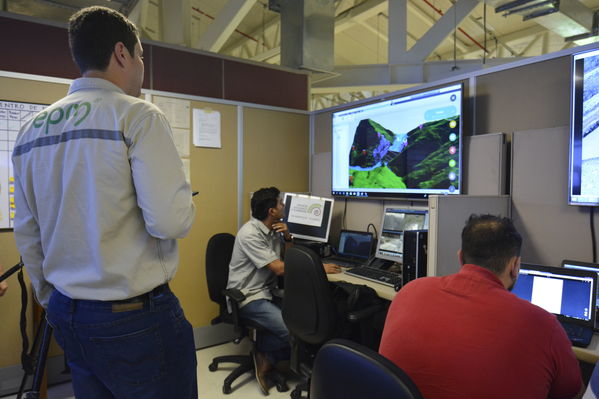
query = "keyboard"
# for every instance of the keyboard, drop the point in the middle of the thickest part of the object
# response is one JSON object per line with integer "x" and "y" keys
{"x": 376, "y": 275}
{"x": 579, "y": 335}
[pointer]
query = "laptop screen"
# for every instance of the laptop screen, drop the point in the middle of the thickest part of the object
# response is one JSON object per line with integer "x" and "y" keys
{"x": 569, "y": 294}
{"x": 355, "y": 244}
{"x": 594, "y": 267}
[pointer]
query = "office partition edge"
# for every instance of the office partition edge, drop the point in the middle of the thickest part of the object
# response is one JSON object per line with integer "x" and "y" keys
{"x": 239, "y": 167}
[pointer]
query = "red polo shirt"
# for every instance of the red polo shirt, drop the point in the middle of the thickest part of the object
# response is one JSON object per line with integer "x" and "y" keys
{"x": 465, "y": 336}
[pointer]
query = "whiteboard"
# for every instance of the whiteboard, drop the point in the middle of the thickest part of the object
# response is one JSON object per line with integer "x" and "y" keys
{"x": 12, "y": 116}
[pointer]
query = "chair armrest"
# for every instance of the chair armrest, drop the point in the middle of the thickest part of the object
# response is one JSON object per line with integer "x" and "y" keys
{"x": 234, "y": 294}
{"x": 236, "y": 297}
{"x": 361, "y": 314}
{"x": 278, "y": 292}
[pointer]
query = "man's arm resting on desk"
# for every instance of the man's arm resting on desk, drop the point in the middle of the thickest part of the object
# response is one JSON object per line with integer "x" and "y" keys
{"x": 278, "y": 267}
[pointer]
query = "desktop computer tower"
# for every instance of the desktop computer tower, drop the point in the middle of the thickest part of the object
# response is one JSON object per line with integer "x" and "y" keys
{"x": 414, "y": 254}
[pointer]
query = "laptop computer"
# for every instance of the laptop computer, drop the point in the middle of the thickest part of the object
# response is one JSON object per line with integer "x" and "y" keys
{"x": 594, "y": 267}
{"x": 354, "y": 249}
{"x": 570, "y": 294}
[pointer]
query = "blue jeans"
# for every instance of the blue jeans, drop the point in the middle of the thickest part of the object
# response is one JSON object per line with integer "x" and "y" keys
{"x": 117, "y": 351}
{"x": 275, "y": 342}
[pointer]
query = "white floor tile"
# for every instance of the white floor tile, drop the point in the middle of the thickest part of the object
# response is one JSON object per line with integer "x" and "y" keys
{"x": 210, "y": 384}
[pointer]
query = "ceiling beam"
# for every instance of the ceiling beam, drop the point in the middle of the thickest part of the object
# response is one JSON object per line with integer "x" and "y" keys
{"x": 223, "y": 26}
{"x": 430, "y": 21}
{"x": 444, "y": 26}
{"x": 343, "y": 21}
{"x": 385, "y": 75}
{"x": 531, "y": 32}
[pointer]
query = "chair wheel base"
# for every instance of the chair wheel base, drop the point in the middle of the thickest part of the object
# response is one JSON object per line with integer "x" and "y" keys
{"x": 282, "y": 387}
{"x": 227, "y": 389}
{"x": 212, "y": 366}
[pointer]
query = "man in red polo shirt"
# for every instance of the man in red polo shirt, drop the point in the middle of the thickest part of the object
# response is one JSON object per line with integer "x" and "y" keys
{"x": 467, "y": 336}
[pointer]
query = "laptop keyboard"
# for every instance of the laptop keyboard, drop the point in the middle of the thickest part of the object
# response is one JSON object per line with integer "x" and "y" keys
{"x": 579, "y": 335}
{"x": 344, "y": 262}
{"x": 377, "y": 275}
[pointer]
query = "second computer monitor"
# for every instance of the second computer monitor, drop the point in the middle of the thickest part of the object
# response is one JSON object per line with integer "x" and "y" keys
{"x": 308, "y": 217}
{"x": 395, "y": 222}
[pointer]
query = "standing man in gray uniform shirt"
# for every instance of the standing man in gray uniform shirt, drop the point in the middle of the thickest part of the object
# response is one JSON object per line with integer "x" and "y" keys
{"x": 256, "y": 262}
{"x": 101, "y": 198}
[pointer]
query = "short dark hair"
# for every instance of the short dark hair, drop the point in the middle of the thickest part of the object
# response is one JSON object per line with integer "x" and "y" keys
{"x": 263, "y": 200}
{"x": 490, "y": 241}
{"x": 93, "y": 32}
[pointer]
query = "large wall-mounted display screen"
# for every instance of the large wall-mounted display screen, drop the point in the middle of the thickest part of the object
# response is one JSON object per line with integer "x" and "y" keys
{"x": 12, "y": 116}
{"x": 583, "y": 187}
{"x": 409, "y": 146}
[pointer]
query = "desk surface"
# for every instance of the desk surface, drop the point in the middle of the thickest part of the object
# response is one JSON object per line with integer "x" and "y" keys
{"x": 382, "y": 290}
{"x": 590, "y": 354}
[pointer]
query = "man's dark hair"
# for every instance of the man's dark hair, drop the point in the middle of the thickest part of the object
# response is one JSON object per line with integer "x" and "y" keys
{"x": 263, "y": 200}
{"x": 490, "y": 241}
{"x": 93, "y": 32}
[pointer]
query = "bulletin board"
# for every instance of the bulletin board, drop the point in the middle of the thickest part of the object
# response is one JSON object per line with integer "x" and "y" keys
{"x": 13, "y": 115}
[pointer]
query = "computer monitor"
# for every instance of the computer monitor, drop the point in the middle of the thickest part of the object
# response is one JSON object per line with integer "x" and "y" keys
{"x": 308, "y": 217}
{"x": 593, "y": 267}
{"x": 408, "y": 146}
{"x": 395, "y": 222}
{"x": 567, "y": 293}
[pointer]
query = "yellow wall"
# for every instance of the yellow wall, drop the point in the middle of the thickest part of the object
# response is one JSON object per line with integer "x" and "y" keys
{"x": 214, "y": 175}
{"x": 276, "y": 148}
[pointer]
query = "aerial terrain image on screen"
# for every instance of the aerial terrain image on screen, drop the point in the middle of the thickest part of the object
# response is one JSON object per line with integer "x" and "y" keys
{"x": 590, "y": 128}
{"x": 421, "y": 158}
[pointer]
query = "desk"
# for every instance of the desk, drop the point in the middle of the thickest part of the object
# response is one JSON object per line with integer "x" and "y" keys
{"x": 382, "y": 290}
{"x": 590, "y": 354}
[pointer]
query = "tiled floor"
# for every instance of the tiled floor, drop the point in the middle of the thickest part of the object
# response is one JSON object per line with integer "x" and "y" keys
{"x": 209, "y": 383}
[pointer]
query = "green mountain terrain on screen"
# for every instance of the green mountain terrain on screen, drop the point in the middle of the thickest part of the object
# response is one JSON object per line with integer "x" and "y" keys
{"x": 422, "y": 162}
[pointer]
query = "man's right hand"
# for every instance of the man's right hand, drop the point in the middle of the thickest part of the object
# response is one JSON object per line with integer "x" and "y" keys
{"x": 331, "y": 268}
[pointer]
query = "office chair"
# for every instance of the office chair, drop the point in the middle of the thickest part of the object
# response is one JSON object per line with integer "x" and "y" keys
{"x": 346, "y": 370}
{"x": 218, "y": 256}
{"x": 310, "y": 312}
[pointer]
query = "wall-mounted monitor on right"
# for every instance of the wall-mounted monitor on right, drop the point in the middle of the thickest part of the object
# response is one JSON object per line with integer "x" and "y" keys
{"x": 583, "y": 187}
{"x": 408, "y": 146}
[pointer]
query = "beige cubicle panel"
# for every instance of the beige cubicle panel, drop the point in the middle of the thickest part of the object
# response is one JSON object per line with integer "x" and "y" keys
{"x": 276, "y": 152}
{"x": 214, "y": 175}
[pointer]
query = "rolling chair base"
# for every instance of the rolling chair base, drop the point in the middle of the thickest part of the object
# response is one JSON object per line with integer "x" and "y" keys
{"x": 246, "y": 364}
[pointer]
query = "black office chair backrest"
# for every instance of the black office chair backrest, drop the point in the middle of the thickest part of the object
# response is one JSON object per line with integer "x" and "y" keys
{"x": 218, "y": 256}
{"x": 308, "y": 308}
{"x": 346, "y": 370}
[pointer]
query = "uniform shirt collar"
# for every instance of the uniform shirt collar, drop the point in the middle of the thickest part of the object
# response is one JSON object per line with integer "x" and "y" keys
{"x": 93, "y": 83}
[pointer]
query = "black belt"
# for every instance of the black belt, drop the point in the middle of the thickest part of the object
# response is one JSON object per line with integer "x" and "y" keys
{"x": 161, "y": 289}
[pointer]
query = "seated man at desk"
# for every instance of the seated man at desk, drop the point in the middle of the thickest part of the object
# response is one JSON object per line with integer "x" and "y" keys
{"x": 467, "y": 336}
{"x": 256, "y": 262}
